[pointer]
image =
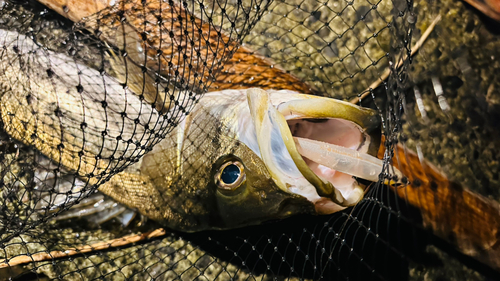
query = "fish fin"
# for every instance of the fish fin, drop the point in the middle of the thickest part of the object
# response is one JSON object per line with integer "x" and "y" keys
{"x": 182, "y": 133}
{"x": 102, "y": 210}
{"x": 56, "y": 188}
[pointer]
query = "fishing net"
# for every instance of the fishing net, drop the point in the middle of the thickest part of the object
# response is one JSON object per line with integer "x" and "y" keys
{"x": 90, "y": 91}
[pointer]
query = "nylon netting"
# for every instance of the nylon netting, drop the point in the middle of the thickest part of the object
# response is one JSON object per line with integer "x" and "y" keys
{"x": 95, "y": 97}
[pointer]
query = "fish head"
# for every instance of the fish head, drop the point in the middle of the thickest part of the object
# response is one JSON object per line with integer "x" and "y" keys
{"x": 281, "y": 118}
{"x": 207, "y": 173}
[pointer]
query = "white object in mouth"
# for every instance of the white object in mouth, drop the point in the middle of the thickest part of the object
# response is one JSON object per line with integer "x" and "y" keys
{"x": 329, "y": 147}
{"x": 341, "y": 159}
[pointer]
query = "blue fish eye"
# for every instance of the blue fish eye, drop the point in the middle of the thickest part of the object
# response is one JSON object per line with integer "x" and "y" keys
{"x": 230, "y": 174}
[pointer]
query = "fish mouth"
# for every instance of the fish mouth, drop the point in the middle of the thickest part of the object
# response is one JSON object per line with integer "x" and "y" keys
{"x": 316, "y": 147}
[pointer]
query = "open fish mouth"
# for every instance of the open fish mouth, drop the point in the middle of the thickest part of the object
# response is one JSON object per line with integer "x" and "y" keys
{"x": 316, "y": 147}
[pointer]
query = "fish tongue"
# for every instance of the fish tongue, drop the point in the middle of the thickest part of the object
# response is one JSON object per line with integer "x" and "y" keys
{"x": 342, "y": 159}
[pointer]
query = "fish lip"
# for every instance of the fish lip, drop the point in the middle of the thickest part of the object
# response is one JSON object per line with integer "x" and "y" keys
{"x": 304, "y": 107}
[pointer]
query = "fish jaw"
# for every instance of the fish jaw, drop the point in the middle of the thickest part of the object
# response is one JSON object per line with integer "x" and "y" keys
{"x": 343, "y": 126}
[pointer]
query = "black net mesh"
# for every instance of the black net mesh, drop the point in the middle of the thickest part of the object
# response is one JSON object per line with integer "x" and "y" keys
{"x": 117, "y": 120}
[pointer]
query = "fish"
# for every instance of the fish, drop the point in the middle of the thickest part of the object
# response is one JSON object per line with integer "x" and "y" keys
{"x": 235, "y": 160}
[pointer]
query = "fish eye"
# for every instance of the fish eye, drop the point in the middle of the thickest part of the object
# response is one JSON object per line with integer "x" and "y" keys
{"x": 230, "y": 175}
